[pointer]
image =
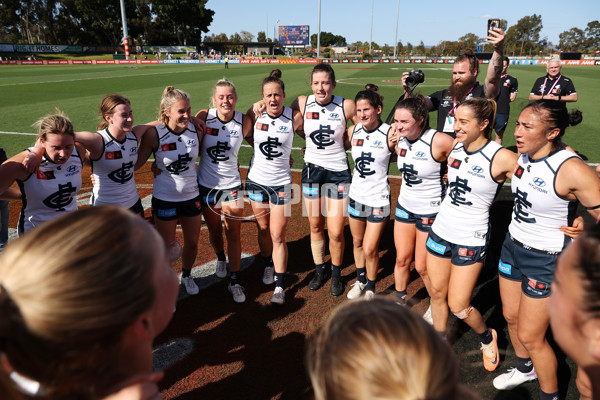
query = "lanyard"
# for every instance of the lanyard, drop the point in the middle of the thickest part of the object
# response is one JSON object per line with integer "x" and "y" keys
{"x": 456, "y": 104}
{"x": 555, "y": 82}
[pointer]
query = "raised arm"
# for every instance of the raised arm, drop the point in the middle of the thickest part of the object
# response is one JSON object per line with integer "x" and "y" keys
{"x": 12, "y": 170}
{"x": 492, "y": 78}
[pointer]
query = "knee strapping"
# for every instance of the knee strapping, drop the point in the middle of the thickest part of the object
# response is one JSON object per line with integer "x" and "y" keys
{"x": 318, "y": 251}
{"x": 464, "y": 314}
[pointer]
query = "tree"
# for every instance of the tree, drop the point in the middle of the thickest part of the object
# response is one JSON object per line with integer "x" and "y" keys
{"x": 327, "y": 39}
{"x": 246, "y": 36}
{"x": 526, "y": 31}
{"x": 468, "y": 41}
{"x": 420, "y": 49}
{"x": 184, "y": 20}
{"x": 592, "y": 36}
{"x": 261, "y": 37}
{"x": 572, "y": 40}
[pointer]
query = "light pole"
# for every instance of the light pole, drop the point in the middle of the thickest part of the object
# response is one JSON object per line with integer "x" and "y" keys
{"x": 274, "y": 41}
{"x": 125, "y": 33}
{"x": 396, "y": 37}
{"x": 319, "y": 32}
{"x": 371, "y": 36}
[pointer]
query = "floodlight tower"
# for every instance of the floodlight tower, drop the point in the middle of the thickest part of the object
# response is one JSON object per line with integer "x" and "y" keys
{"x": 125, "y": 33}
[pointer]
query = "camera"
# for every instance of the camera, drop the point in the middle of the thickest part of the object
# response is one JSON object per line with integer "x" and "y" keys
{"x": 415, "y": 77}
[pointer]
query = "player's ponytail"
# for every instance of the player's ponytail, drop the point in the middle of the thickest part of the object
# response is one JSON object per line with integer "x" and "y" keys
{"x": 274, "y": 77}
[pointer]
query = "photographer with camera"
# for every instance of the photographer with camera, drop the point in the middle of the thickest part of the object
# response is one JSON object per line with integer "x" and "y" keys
{"x": 464, "y": 83}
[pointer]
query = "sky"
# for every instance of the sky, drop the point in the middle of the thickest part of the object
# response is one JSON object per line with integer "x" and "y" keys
{"x": 430, "y": 21}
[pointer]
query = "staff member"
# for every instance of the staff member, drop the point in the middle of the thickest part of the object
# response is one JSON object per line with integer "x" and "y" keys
{"x": 553, "y": 86}
{"x": 509, "y": 87}
{"x": 464, "y": 83}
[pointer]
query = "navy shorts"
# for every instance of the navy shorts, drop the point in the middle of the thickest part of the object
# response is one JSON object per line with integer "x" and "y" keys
{"x": 500, "y": 122}
{"x": 263, "y": 194}
{"x": 170, "y": 210}
{"x": 318, "y": 181}
{"x": 422, "y": 222}
{"x": 211, "y": 197}
{"x": 533, "y": 268}
{"x": 459, "y": 255}
{"x": 358, "y": 210}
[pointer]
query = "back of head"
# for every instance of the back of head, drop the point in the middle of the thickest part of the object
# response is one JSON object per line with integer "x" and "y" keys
{"x": 108, "y": 105}
{"x": 588, "y": 268}
{"x": 169, "y": 97}
{"x": 68, "y": 291}
{"x": 378, "y": 350}
{"x": 274, "y": 77}
{"x": 483, "y": 109}
{"x": 58, "y": 124}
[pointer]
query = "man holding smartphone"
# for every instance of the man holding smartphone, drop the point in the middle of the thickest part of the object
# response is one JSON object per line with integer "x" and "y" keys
{"x": 553, "y": 86}
{"x": 464, "y": 83}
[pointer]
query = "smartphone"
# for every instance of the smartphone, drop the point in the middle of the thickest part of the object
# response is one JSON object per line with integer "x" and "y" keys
{"x": 492, "y": 23}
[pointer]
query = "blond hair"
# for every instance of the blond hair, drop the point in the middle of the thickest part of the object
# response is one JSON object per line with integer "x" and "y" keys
{"x": 375, "y": 349}
{"x": 224, "y": 82}
{"x": 108, "y": 105}
{"x": 169, "y": 97}
{"x": 57, "y": 123}
{"x": 68, "y": 291}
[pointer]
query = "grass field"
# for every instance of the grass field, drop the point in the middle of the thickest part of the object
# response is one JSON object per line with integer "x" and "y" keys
{"x": 29, "y": 92}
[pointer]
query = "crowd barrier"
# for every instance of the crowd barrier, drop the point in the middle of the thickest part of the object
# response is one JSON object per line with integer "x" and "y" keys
{"x": 278, "y": 61}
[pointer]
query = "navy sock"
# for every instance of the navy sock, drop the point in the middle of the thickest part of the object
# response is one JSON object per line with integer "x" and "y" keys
{"x": 234, "y": 279}
{"x": 370, "y": 285}
{"x": 185, "y": 273}
{"x": 279, "y": 279}
{"x": 401, "y": 295}
{"x": 548, "y": 396}
{"x": 221, "y": 255}
{"x": 336, "y": 270}
{"x": 486, "y": 337}
{"x": 320, "y": 267}
{"x": 361, "y": 275}
{"x": 524, "y": 365}
{"x": 268, "y": 261}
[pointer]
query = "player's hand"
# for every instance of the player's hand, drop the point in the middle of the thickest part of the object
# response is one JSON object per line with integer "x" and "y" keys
{"x": 139, "y": 387}
{"x": 496, "y": 37}
{"x": 575, "y": 229}
{"x": 258, "y": 108}
{"x": 404, "y": 85}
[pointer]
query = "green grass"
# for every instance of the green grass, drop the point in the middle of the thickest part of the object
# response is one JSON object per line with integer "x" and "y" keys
{"x": 29, "y": 92}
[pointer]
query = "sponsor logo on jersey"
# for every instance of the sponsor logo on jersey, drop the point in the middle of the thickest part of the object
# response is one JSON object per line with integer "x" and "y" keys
{"x": 402, "y": 153}
{"x": 168, "y": 147}
{"x": 283, "y": 128}
{"x": 420, "y": 154}
{"x": 72, "y": 170}
{"x": 427, "y": 220}
{"x": 358, "y": 142}
{"x": 377, "y": 211}
{"x": 377, "y": 143}
{"x": 506, "y": 268}
{"x": 539, "y": 182}
{"x": 113, "y": 155}
{"x": 465, "y": 252}
{"x": 454, "y": 163}
{"x": 438, "y": 248}
{"x": 233, "y": 133}
{"x": 45, "y": 175}
{"x": 212, "y": 131}
{"x": 283, "y": 195}
{"x": 334, "y": 116}
{"x": 400, "y": 213}
{"x": 518, "y": 171}
{"x": 312, "y": 115}
{"x": 262, "y": 127}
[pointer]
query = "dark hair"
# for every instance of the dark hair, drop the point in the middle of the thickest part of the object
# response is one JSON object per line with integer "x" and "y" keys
{"x": 370, "y": 94}
{"x": 327, "y": 68}
{"x": 588, "y": 268}
{"x": 556, "y": 115}
{"x": 483, "y": 109}
{"x": 417, "y": 107}
{"x": 471, "y": 59}
{"x": 506, "y": 59}
{"x": 274, "y": 77}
